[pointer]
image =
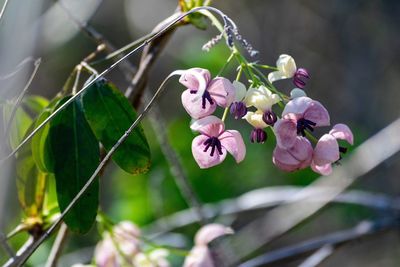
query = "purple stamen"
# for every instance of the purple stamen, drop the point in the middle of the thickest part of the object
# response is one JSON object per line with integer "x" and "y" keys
{"x": 214, "y": 143}
{"x": 238, "y": 109}
{"x": 299, "y": 76}
{"x": 258, "y": 136}
{"x": 206, "y": 96}
{"x": 303, "y": 125}
{"x": 269, "y": 117}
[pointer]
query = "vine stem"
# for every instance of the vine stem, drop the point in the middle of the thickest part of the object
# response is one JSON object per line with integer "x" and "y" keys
{"x": 20, "y": 97}
{"x": 21, "y": 259}
{"x": 106, "y": 71}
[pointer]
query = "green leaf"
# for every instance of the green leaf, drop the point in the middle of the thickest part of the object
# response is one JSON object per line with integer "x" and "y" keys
{"x": 35, "y": 103}
{"x": 40, "y": 143}
{"x": 75, "y": 153}
{"x": 19, "y": 125}
{"x": 31, "y": 183}
{"x": 110, "y": 114}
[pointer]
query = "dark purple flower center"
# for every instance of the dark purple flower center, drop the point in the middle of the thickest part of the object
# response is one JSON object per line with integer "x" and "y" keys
{"x": 214, "y": 143}
{"x": 299, "y": 78}
{"x": 205, "y": 97}
{"x": 342, "y": 150}
{"x": 303, "y": 125}
{"x": 258, "y": 136}
{"x": 269, "y": 117}
{"x": 238, "y": 109}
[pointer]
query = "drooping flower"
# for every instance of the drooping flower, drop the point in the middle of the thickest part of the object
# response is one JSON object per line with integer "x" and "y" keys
{"x": 299, "y": 115}
{"x": 287, "y": 69}
{"x": 200, "y": 255}
{"x": 255, "y": 119}
{"x": 297, "y": 157}
{"x": 327, "y": 150}
{"x": 263, "y": 99}
{"x": 238, "y": 108}
{"x": 203, "y": 93}
{"x": 210, "y": 148}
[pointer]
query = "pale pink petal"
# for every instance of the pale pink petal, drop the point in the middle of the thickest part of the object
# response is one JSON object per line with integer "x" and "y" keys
{"x": 209, "y": 126}
{"x": 222, "y": 91}
{"x": 322, "y": 169}
{"x": 297, "y": 106}
{"x": 284, "y": 160}
{"x": 285, "y": 132}
{"x": 199, "y": 256}
{"x": 296, "y": 158}
{"x": 302, "y": 150}
{"x": 343, "y": 132}
{"x": 233, "y": 142}
{"x": 190, "y": 78}
{"x": 209, "y": 232}
{"x": 204, "y": 159}
{"x": 203, "y": 126}
{"x": 193, "y": 105}
{"x": 326, "y": 151}
{"x": 317, "y": 113}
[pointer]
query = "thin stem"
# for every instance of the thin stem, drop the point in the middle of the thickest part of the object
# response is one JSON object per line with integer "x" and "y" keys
{"x": 17, "y": 68}
{"x": 106, "y": 71}
{"x": 226, "y": 110}
{"x": 24, "y": 257}
{"x": 76, "y": 82}
{"x": 20, "y": 97}
{"x": 3, "y": 9}
{"x": 226, "y": 64}
{"x": 57, "y": 246}
{"x": 263, "y": 66}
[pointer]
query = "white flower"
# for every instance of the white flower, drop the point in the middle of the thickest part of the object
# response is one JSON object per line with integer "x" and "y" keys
{"x": 256, "y": 119}
{"x": 286, "y": 68}
{"x": 261, "y": 98}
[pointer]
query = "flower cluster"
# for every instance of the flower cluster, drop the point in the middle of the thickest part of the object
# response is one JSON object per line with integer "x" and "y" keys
{"x": 122, "y": 247}
{"x": 200, "y": 101}
{"x": 293, "y": 129}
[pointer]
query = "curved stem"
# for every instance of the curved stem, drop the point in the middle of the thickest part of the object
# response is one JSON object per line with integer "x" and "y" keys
{"x": 20, "y": 97}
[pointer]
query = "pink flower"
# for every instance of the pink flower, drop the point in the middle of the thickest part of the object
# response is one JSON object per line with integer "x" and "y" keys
{"x": 210, "y": 148}
{"x": 200, "y": 255}
{"x": 327, "y": 150}
{"x": 124, "y": 239}
{"x": 299, "y": 115}
{"x": 204, "y": 94}
{"x": 297, "y": 157}
{"x": 106, "y": 254}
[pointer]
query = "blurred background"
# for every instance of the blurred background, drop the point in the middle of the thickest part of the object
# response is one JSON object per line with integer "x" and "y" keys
{"x": 350, "y": 48}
